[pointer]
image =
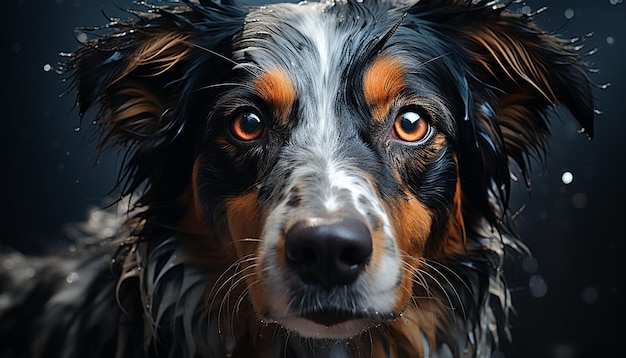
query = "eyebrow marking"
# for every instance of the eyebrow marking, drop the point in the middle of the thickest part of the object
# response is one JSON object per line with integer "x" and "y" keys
{"x": 382, "y": 82}
{"x": 276, "y": 89}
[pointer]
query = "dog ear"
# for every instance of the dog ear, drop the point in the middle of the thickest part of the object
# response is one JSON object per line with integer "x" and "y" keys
{"x": 516, "y": 75}
{"x": 142, "y": 75}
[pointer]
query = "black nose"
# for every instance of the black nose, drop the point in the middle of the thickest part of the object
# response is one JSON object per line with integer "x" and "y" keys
{"x": 328, "y": 254}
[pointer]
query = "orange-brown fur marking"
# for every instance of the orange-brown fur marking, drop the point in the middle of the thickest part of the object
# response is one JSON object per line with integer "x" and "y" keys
{"x": 412, "y": 222}
{"x": 381, "y": 84}
{"x": 244, "y": 224}
{"x": 276, "y": 88}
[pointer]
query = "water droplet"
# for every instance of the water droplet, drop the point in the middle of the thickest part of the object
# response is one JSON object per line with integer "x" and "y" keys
{"x": 81, "y": 37}
{"x": 8, "y": 264}
{"x": 47, "y": 67}
{"x": 590, "y": 295}
{"x": 579, "y": 200}
{"x": 567, "y": 178}
{"x": 569, "y": 13}
{"x": 615, "y": 2}
{"x": 537, "y": 285}
{"x": 76, "y": 129}
{"x": 610, "y": 40}
{"x": 530, "y": 264}
{"x": 72, "y": 277}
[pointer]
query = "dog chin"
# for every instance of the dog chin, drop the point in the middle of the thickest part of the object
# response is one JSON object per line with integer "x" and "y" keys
{"x": 309, "y": 329}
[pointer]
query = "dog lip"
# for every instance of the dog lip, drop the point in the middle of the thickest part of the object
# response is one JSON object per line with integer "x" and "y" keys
{"x": 331, "y": 318}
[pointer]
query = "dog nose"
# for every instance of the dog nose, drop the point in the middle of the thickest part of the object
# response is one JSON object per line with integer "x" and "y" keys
{"x": 328, "y": 254}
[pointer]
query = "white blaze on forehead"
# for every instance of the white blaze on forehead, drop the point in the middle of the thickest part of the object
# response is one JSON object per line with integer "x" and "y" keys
{"x": 319, "y": 123}
{"x": 301, "y": 39}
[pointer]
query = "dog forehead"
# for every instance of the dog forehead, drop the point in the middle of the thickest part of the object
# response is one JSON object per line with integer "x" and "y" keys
{"x": 310, "y": 41}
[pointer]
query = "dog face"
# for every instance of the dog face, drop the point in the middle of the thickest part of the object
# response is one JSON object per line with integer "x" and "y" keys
{"x": 344, "y": 142}
{"x": 336, "y": 156}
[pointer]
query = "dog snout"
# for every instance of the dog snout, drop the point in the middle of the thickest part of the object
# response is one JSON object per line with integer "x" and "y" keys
{"x": 328, "y": 253}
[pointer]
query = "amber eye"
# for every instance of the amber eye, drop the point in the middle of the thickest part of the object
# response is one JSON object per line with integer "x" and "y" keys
{"x": 247, "y": 126}
{"x": 410, "y": 127}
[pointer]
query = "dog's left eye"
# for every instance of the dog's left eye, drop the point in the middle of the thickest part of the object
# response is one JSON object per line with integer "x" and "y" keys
{"x": 411, "y": 127}
{"x": 247, "y": 126}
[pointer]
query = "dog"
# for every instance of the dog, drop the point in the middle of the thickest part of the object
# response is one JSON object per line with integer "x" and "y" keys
{"x": 323, "y": 179}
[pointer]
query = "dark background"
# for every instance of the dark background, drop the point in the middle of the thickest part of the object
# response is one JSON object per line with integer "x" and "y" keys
{"x": 570, "y": 298}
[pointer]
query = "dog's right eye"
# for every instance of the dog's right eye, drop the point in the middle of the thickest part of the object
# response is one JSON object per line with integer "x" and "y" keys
{"x": 247, "y": 126}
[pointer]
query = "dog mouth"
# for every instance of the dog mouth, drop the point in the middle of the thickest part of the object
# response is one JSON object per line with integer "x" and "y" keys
{"x": 331, "y": 317}
{"x": 333, "y": 323}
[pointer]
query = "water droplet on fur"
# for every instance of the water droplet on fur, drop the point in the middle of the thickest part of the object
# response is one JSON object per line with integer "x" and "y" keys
{"x": 569, "y": 13}
{"x": 8, "y": 264}
{"x": 615, "y": 2}
{"x": 81, "y": 37}
{"x": 47, "y": 67}
{"x": 72, "y": 277}
{"x": 76, "y": 129}
{"x": 526, "y": 10}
